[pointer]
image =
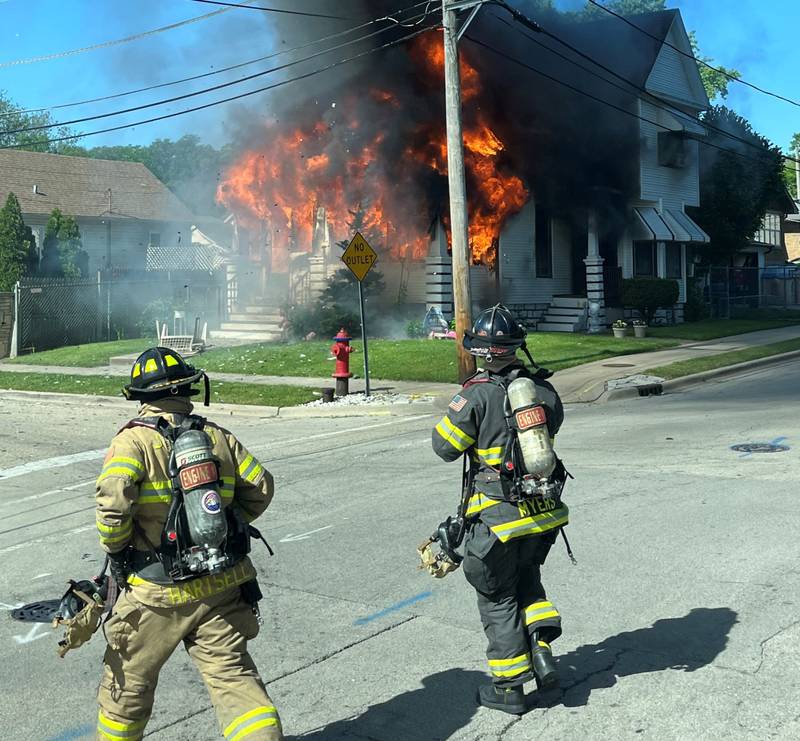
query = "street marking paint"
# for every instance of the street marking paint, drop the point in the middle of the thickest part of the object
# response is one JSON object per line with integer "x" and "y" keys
{"x": 303, "y": 536}
{"x": 4, "y": 606}
{"x": 58, "y": 461}
{"x": 61, "y": 489}
{"x": 73, "y": 733}
{"x": 46, "y": 539}
{"x": 394, "y": 608}
{"x": 31, "y": 636}
{"x": 41, "y": 576}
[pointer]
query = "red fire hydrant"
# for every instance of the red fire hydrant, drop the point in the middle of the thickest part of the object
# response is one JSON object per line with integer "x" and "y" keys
{"x": 341, "y": 350}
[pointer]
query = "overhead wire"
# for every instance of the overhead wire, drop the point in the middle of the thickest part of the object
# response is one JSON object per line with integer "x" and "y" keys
{"x": 222, "y": 70}
{"x": 728, "y": 75}
{"x": 651, "y": 98}
{"x": 115, "y": 42}
{"x": 240, "y": 96}
{"x": 274, "y": 10}
{"x": 230, "y": 83}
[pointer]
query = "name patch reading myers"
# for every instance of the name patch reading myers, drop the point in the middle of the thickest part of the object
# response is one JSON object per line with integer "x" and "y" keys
{"x": 359, "y": 257}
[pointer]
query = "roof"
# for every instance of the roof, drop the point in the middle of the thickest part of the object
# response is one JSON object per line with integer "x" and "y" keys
{"x": 82, "y": 186}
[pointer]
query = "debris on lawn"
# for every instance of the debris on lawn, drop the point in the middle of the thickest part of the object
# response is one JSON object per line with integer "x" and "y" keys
{"x": 376, "y": 399}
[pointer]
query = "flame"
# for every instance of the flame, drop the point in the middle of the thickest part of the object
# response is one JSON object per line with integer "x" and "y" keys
{"x": 342, "y": 165}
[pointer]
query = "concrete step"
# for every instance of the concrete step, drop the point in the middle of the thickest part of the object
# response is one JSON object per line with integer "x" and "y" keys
{"x": 253, "y": 317}
{"x": 567, "y": 302}
{"x": 556, "y": 327}
{"x": 558, "y": 311}
{"x": 258, "y": 309}
{"x": 251, "y": 336}
{"x": 251, "y": 326}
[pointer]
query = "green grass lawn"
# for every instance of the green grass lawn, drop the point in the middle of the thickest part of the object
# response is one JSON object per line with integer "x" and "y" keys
{"x": 93, "y": 355}
{"x": 712, "y": 328}
{"x": 711, "y": 362}
{"x": 221, "y": 392}
{"x": 413, "y": 360}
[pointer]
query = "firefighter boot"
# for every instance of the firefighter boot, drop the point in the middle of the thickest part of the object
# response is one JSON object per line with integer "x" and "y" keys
{"x": 544, "y": 665}
{"x": 508, "y": 699}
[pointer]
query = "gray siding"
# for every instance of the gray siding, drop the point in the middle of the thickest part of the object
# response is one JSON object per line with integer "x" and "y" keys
{"x": 671, "y": 186}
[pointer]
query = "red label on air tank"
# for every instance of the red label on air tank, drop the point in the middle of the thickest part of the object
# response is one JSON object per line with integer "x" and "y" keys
{"x": 197, "y": 475}
{"x": 528, "y": 418}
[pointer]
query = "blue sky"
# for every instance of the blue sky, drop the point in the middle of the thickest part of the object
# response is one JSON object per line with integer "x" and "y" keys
{"x": 759, "y": 39}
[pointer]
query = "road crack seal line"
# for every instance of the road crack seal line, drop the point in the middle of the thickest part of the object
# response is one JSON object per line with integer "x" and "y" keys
{"x": 291, "y": 673}
{"x": 763, "y": 644}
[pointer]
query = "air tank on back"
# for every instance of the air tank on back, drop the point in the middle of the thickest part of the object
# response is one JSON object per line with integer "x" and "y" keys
{"x": 531, "y": 420}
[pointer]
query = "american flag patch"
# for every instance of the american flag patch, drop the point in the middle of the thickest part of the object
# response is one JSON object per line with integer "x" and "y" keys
{"x": 458, "y": 403}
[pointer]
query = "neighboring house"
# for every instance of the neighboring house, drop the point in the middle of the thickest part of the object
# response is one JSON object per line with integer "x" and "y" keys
{"x": 123, "y": 211}
{"x": 791, "y": 230}
{"x": 769, "y": 246}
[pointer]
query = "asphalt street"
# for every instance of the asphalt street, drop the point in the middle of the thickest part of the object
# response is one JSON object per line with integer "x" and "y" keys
{"x": 681, "y": 619}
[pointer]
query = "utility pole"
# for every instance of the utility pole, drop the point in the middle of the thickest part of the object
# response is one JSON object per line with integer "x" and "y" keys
{"x": 459, "y": 219}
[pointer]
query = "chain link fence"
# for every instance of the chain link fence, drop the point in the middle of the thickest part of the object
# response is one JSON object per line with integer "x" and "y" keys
{"x": 55, "y": 312}
{"x": 731, "y": 291}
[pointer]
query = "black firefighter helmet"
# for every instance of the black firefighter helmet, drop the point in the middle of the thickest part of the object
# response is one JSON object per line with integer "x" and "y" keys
{"x": 496, "y": 335}
{"x": 161, "y": 372}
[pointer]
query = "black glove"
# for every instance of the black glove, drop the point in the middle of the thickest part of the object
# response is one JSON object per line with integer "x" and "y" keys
{"x": 119, "y": 568}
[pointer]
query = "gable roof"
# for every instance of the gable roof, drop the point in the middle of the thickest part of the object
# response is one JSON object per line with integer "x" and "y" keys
{"x": 82, "y": 186}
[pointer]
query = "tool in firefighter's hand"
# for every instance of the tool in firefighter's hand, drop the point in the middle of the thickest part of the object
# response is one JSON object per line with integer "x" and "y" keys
{"x": 449, "y": 536}
{"x": 80, "y": 612}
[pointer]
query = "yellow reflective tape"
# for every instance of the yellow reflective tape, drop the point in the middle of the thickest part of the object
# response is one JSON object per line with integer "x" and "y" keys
{"x": 245, "y": 463}
{"x": 137, "y": 370}
{"x": 255, "y": 473}
{"x": 261, "y": 710}
{"x": 509, "y": 662}
{"x": 111, "y": 529}
{"x": 170, "y": 360}
{"x": 116, "y": 539}
{"x": 453, "y": 435}
{"x": 531, "y": 525}
{"x": 544, "y": 644}
{"x": 154, "y": 499}
{"x": 253, "y": 727}
{"x": 117, "y": 471}
{"x": 479, "y": 502}
{"x": 542, "y": 616}
{"x": 117, "y": 726}
{"x": 123, "y": 459}
{"x": 150, "y": 366}
{"x": 457, "y": 431}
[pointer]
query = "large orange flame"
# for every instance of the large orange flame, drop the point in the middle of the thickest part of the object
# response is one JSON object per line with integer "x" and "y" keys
{"x": 290, "y": 174}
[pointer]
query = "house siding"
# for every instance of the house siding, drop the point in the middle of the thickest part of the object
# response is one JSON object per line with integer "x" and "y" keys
{"x": 670, "y": 187}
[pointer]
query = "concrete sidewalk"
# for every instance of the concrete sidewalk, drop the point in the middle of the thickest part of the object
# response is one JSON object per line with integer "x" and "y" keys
{"x": 581, "y": 384}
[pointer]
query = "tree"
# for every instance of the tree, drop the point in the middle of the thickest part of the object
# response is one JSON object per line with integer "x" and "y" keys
{"x": 737, "y": 184}
{"x": 16, "y": 244}
{"x": 12, "y": 118}
{"x": 62, "y": 252}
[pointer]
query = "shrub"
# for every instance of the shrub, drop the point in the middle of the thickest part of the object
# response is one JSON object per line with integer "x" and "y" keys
{"x": 648, "y": 295}
{"x": 415, "y": 330}
{"x": 695, "y": 309}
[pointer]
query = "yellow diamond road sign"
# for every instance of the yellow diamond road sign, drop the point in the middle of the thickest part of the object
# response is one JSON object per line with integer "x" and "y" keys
{"x": 359, "y": 257}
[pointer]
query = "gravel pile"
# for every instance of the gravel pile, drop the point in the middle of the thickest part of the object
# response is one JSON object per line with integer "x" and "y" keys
{"x": 381, "y": 399}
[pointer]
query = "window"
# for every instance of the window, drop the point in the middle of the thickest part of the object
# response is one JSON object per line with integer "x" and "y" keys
{"x": 770, "y": 231}
{"x": 672, "y": 149}
{"x": 544, "y": 245}
{"x": 674, "y": 261}
{"x": 644, "y": 259}
{"x": 155, "y": 239}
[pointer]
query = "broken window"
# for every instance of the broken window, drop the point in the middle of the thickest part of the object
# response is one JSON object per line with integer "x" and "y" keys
{"x": 544, "y": 244}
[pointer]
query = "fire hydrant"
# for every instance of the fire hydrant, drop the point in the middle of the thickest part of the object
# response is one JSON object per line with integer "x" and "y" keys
{"x": 341, "y": 350}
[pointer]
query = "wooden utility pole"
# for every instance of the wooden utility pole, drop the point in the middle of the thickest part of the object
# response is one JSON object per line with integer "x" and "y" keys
{"x": 462, "y": 302}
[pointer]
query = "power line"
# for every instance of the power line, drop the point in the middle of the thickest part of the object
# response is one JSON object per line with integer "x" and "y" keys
{"x": 274, "y": 10}
{"x": 144, "y": 106}
{"x": 222, "y": 69}
{"x": 115, "y": 42}
{"x": 602, "y": 101}
{"x": 728, "y": 75}
{"x": 651, "y": 99}
{"x": 273, "y": 86}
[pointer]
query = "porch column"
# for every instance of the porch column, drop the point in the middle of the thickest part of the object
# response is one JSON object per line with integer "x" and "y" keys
{"x": 439, "y": 275}
{"x": 595, "y": 291}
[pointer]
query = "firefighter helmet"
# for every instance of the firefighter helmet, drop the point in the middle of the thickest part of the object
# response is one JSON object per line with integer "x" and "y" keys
{"x": 160, "y": 372}
{"x": 495, "y": 334}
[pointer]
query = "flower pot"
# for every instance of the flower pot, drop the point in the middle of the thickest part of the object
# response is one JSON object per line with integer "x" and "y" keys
{"x": 619, "y": 332}
{"x": 640, "y": 331}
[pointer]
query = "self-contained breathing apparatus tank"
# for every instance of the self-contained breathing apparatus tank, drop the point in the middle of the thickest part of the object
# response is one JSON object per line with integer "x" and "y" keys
{"x": 535, "y": 446}
{"x": 196, "y": 470}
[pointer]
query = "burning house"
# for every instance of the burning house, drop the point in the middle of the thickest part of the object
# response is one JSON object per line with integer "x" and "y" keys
{"x": 581, "y": 151}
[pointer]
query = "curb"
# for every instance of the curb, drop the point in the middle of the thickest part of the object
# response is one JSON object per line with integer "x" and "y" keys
{"x": 676, "y": 384}
{"x": 237, "y": 410}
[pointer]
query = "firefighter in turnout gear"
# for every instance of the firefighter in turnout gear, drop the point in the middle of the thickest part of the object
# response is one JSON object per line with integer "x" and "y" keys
{"x": 174, "y": 501}
{"x": 510, "y": 530}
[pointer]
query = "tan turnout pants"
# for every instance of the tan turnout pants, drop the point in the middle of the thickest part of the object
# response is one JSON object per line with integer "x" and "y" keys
{"x": 214, "y": 632}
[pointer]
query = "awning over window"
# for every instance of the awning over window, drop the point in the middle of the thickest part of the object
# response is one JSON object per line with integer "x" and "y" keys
{"x": 671, "y": 225}
{"x": 696, "y": 234}
{"x": 650, "y": 227}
